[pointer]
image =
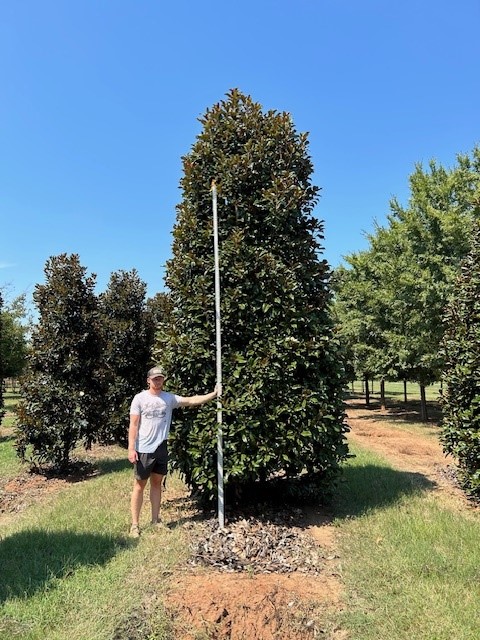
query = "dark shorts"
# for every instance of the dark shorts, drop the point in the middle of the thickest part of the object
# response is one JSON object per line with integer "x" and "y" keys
{"x": 155, "y": 462}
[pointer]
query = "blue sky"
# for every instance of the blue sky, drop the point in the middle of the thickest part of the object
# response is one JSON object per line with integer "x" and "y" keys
{"x": 99, "y": 100}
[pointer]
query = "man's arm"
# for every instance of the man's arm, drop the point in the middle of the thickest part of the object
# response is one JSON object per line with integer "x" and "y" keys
{"x": 196, "y": 401}
{"x": 132, "y": 436}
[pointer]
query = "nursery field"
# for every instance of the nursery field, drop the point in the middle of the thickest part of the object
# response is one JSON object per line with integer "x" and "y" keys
{"x": 395, "y": 555}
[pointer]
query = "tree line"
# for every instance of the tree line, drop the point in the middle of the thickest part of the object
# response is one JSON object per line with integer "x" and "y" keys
{"x": 406, "y": 304}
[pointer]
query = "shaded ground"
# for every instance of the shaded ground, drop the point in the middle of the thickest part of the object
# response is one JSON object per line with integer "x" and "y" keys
{"x": 416, "y": 450}
{"x": 275, "y": 575}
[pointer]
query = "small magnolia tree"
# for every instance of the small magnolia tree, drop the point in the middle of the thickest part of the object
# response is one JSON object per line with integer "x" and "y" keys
{"x": 283, "y": 411}
{"x": 61, "y": 391}
{"x": 127, "y": 332}
{"x": 461, "y": 376}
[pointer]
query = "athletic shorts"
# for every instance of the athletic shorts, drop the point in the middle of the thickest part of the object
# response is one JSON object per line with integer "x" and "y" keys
{"x": 154, "y": 462}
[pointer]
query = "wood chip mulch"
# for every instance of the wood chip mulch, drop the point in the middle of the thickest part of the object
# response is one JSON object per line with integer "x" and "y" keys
{"x": 255, "y": 545}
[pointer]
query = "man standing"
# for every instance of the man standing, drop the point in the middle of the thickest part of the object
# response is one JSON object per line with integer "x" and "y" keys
{"x": 150, "y": 419}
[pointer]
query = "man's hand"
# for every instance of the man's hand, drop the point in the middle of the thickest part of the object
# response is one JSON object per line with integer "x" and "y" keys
{"x": 132, "y": 456}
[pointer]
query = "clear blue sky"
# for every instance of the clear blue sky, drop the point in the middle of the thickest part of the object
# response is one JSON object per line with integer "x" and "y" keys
{"x": 99, "y": 100}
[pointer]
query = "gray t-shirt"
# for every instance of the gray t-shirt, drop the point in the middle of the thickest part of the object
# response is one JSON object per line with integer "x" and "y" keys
{"x": 155, "y": 413}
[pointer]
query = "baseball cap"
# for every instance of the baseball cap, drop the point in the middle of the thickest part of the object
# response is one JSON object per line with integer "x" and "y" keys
{"x": 154, "y": 372}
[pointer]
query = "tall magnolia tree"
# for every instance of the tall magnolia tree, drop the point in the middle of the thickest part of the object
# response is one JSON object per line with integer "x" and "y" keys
{"x": 61, "y": 392}
{"x": 282, "y": 371}
{"x": 127, "y": 339}
{"x": 461, "y": 375}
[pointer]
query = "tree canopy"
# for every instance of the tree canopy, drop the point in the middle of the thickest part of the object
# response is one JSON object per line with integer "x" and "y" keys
{"x": 461, "y": 375}
{"x": 391, "y": 297}
{"x": 89, "y": 356}
{"x": 13, "y": 340}
{"x": 60, "y": 385}
{"x": 283, "y": 374}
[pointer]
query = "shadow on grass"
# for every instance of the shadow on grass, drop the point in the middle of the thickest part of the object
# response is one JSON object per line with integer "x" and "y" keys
{"x": 112, "y": 465}
{"x": 6, "y": 438}
{"x": 368, "y": 487}
{"x": 33, "y": 560}
{"x": 189, "y": 510}
{"x": 396, "y": 411}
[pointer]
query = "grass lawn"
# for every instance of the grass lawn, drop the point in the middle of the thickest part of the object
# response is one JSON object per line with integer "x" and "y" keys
{"x": 410, "y": 562}
{"x": 10, "y": 464}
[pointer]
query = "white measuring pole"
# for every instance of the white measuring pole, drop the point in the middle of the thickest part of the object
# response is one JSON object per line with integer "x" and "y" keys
{"x": 221, "y": 504}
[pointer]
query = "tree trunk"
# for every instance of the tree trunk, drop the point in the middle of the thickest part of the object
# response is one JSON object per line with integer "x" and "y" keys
{"x": 382, "y": 394}
{"x": 405, "y": 399}
{"x": 423, "y": 404}
{"x": 367, "y": 393}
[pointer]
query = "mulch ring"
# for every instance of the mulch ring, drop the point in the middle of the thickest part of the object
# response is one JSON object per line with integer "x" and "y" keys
{"x": 266, "y": 544}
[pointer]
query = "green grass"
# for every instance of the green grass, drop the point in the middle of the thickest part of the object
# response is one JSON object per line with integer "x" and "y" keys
{"x": 410, "y": 561}
{"x": 10, "y": 464}
{"x": 10, "y": 400}
{"x": 411, "y": 564}
{"x": 68, "y": 566}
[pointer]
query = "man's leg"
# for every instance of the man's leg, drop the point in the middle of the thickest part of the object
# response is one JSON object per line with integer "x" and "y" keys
{"x": 156, "y": 494}
{"x": 137, "y": 499}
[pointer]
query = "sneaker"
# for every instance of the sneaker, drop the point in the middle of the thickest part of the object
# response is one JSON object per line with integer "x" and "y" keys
{"x": 134, "y": 531}
{"x": 158, "y": 524}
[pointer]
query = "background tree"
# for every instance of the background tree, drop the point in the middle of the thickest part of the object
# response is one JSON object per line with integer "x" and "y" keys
{"x": 461, "y": 375}
{"x": 436, "y": 231}
{"x": 412, "y": 264}
{"x": 283, "y": 374}
{"x": 358, "y": 310}
{"x": 13, "y": 342}
{"x": 60, "y": 390}
{"x": 127, "y": 331}
{"x": 2, "y": 410}
{"x": 161, "y": 308}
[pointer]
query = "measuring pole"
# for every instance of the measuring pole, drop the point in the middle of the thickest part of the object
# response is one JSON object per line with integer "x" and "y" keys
{"x": 221, "y": 504}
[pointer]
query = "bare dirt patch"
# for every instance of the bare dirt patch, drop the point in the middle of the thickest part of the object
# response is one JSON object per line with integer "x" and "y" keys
{"x": 257, "y": 607}
{"x": 19, "y": 492}
{"x": 389, "y": 433}
{"x": 270, "y": 573}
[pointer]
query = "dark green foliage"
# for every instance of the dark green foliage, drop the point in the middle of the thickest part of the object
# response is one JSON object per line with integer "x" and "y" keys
{"x": 461, "y": 396}
{"x": 127, "y": 332}
{"x": 160, "y": 307}
{"x": 2, "y": 375}
{"x": 282, "y": 372}
{"x": 62, "y": 394}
